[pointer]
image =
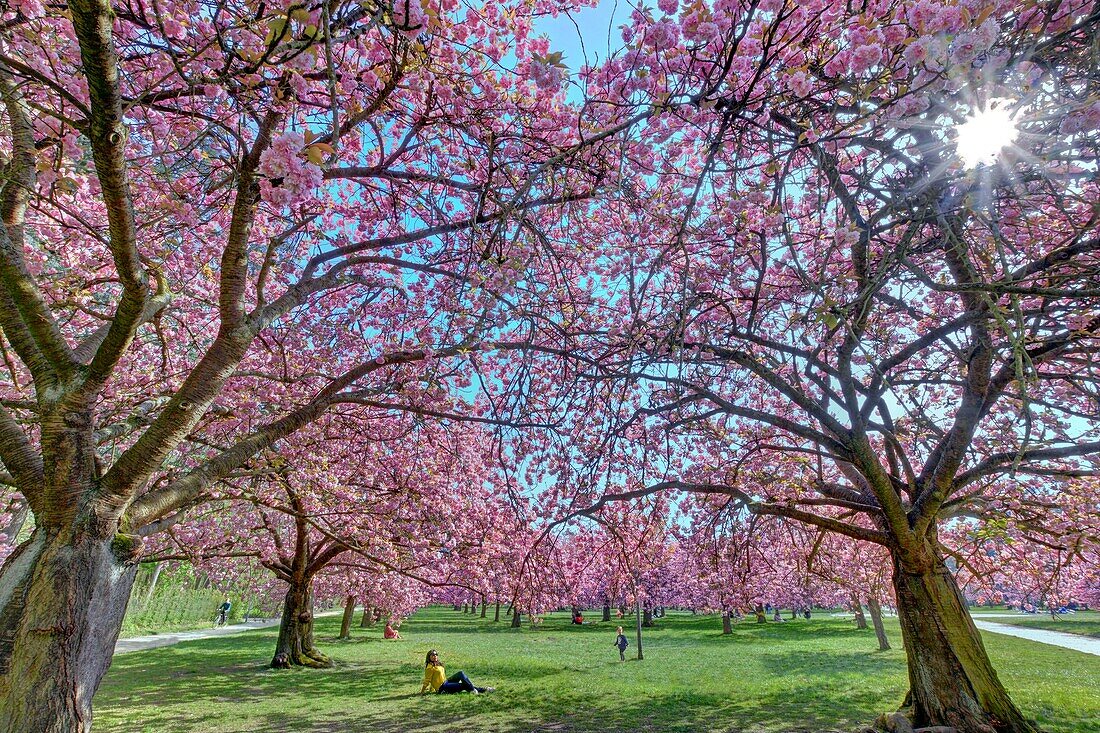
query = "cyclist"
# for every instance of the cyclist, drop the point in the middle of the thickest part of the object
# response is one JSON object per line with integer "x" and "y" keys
{"x": 223, "y": 612}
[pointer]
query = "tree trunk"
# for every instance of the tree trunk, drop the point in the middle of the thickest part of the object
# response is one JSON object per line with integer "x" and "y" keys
{"x": 483, "y": 611}
{"x": 295, "y": 644}
{"x": 18, "y": 509}
{"x": 951, "y": 680}
{"x": 496, "y": 617}
{"x": 368, "y": 617}
{"x": 63, "y": 594}
{"x": 345, "y": 624}
{"x": 857, "y": 609}
{"x": 157, "y": 567}
{"x": 647, "y": 618}
{"x": 638, "y": 626}
{"x": 727, "y": 625}
{"x": 876, "y": 620}
{"x": 515, "y": 618}
{"x": 606, "y": 612}
{"x": 761, "y": 616}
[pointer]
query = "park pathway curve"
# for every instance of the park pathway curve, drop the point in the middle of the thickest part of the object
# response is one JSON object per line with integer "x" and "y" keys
{"x": 1076, "y": 642}
{"x": 138, "y": 643}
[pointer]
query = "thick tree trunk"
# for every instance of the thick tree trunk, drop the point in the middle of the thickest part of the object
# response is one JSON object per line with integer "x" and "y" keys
{"x": 496, "y": 616}
{"x": 727, "y": 625}
{"x": 62, "y": 599}
{"x": 345, "y": 623}
{"x": 647, "y": 618}
{"x": 761, "y": 617}
{"x": 368, "y": 617}
{"x": 876, "y": 620}
{"x": 606, "y": 612}
{"x": 295, "y": 644}
{"x": 857, "y": 609}
{"x": 951, "y": 680}
{"x": 515, "y": 618}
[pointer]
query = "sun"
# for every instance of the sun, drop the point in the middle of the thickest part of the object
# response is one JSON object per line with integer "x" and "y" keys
{"x": 985, "y": 133}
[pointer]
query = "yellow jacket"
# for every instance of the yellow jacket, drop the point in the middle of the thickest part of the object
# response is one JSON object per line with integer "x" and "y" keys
{"x": 434, "y": 676}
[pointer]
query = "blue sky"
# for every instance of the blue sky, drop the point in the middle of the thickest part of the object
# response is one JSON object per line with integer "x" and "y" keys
{"x": 587, "y": 35}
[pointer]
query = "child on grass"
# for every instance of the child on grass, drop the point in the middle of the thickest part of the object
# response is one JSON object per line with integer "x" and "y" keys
{"x": 621, "y": 643}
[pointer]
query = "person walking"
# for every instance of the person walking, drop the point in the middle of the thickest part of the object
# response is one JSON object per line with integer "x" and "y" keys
{"x": 621, "y": 643}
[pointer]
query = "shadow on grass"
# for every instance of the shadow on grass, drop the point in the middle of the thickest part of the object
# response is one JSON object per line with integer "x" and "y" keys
{"x": 207, "y": 676}
{"x": 795, "y": 677}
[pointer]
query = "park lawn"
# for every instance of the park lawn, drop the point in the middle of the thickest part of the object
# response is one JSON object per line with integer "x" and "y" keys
{"x": 1085, "y": 623}
{"x": 807, "y": 675}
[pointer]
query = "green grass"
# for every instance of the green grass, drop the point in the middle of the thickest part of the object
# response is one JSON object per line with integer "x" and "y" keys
{"x": 799, "y": 676}
{"x": 1085, "y": 623}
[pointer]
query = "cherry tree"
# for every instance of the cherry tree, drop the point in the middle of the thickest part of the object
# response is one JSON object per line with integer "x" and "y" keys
{"x": 219, "y": 221}
{"x": 833, "y": 308}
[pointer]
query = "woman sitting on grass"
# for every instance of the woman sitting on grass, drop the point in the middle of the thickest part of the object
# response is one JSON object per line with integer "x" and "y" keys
{"x": 436, "y": 679}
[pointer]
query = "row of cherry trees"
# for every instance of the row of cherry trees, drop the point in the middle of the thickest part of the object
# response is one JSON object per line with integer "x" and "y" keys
{"x": 264, "y": 267}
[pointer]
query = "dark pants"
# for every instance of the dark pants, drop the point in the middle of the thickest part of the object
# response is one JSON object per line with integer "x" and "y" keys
{"x": 622, "y": 655}
{"x": 459, "y": 682}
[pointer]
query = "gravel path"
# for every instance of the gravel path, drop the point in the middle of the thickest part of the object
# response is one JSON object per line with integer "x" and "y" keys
{"x": 137, "y": 643}
{"x": 1056, "y": 638}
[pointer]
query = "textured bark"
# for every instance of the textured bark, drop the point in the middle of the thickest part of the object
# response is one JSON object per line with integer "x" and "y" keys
{"x": 368, "y": 617}
{"x": 638, "y": 627}
{"x": 62, "y": 599}
{"x": 295, "y": 644}
{"x": 606, "y": 612}
{"x": 951, "y": 680}
{"x": 345, "y": 623}
{"x": 761, "y": 617}
{"x": 515, "y": 618}
{"x": 876, "y": 620}
{"x": 483, "y": 611}
{"x": 857, "y": 609}
{"x": 647, "y": 618}
{"x": 727, "y": 625}
{"x": 496, "y": 616}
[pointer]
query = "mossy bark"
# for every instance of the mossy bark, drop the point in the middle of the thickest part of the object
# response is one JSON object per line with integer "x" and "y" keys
{"x": 951, "y": 680}
{"x": 295, "y": 645}
{"x": 63, "y": 594}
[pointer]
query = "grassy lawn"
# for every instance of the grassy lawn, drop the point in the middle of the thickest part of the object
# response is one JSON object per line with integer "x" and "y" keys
{"x": 1086, "y": 623}
{"x": 806, "y": 676}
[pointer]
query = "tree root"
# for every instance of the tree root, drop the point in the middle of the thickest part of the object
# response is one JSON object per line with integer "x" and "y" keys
{"x": 899, "y": 722}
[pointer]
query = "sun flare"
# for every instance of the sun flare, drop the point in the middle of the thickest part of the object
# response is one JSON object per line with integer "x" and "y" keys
{"x": 986, "y": 132}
